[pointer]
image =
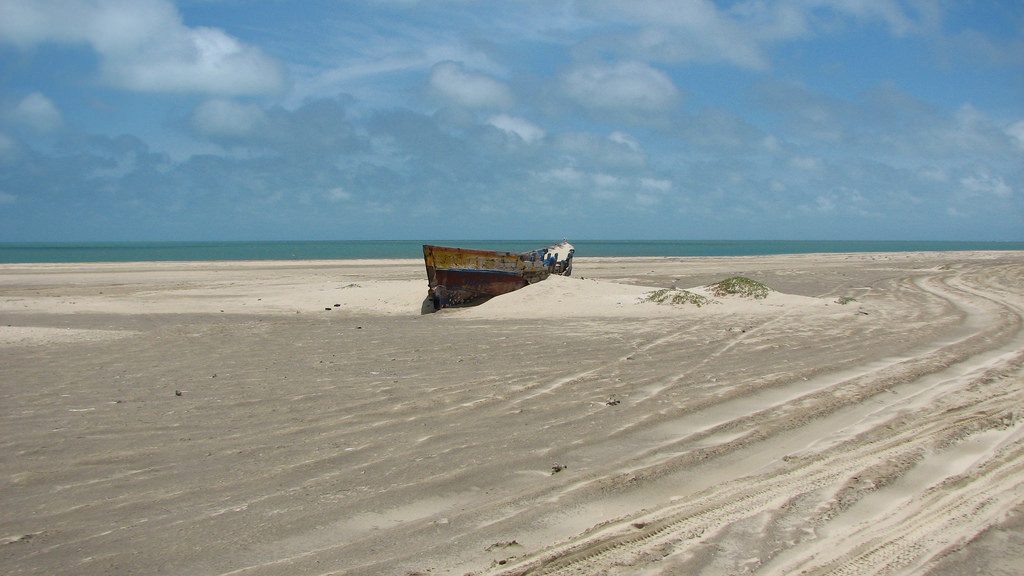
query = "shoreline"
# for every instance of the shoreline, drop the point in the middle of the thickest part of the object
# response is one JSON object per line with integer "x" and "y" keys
{"x": 299, "y": 251}
{"x": 392, "y": 262}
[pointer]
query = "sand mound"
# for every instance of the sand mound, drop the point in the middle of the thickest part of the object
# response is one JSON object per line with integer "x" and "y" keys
{"x": 566, "y": 297}
{"x": 772, "y": 300}
{"x": 562, "y": 297}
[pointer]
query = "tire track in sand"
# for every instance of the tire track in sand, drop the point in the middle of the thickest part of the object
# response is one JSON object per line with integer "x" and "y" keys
{"x": 935, "y": 517}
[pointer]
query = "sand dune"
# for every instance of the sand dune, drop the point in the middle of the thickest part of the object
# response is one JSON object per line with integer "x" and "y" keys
{"x": 565, "y": 297}
{"x": 228, "y": 418}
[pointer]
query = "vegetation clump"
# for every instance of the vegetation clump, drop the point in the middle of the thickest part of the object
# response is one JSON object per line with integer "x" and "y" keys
{"x": 740, "y": 286}
{"x": 675, "y": 296}
{"x": 845, "y": 300}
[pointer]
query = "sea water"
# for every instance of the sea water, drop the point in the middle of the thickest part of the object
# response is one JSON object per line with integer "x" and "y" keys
{"x": 394, "y": 249}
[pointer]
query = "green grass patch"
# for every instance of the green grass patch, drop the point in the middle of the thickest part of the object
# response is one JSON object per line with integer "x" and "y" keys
{"x": 675, "y": 296}
{"x": 740, "y": 286}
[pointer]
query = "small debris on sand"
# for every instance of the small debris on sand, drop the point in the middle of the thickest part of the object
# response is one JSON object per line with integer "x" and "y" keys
{"x": 502, "y": 544}
{"x": 17, "y": 539}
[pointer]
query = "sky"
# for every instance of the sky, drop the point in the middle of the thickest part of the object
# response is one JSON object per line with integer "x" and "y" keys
{"x": 126, "y": 120}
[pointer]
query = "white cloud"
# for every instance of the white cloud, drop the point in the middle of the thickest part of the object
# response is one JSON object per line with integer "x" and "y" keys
{"x": 567, "y": 176}
{"x": 6, "y": 147}
{"x": 366, "y": 65}
{"x": 770, "y": 143}
{"x": 37, "y": 112}
{"x": 888, "y": 11}
{"x": 627, "y": 86}
{"x": 806, "y": 163}
{"x": 739, "y": 33}
{"x": 525, "y": 129}
{"x": 144, "y": 45}
{"x": 657, "y": 184}
{"x": 605, "y": 194}
{"x": 453, "y": 82}
{"x": 1016, "y": 131}
{"x": 197, "y": 60}
{"x": 671, "y": 31}
{"x": 969, "y": 117}
{"x": 590, "y": 151}
{"x": 224, "y": 118}
{"x": 338, "y": 194}
{"x": 606, "y": 180}
{"x": 982, "y": 182}
{"x": 932, "y": 174}
{"x": 825, "y": 203}
{"x": 645, "y": 200}
{"x": 6, "y": 198}
{"x": 626, "y": 140}
{"x": 618, "y": 189}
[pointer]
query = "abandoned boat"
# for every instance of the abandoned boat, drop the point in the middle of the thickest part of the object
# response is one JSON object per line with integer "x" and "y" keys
{"x": 463, "y": 276}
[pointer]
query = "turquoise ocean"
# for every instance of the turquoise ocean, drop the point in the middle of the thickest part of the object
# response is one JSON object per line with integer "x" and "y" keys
{"x": 392, "y": 249}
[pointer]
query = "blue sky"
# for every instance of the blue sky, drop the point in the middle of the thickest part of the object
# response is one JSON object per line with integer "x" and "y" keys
{"x": 245, "y": 120}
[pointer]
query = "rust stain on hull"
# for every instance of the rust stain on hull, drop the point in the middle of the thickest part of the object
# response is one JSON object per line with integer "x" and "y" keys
{"x": 464, "y": 276}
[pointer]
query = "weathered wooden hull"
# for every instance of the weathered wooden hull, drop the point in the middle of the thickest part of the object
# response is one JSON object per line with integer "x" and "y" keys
{"x": 462, "y": 276}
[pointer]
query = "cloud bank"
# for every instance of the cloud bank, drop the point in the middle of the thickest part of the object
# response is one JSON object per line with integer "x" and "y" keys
{"x": 791, "y": 119}
{"x": 143, "y": 45}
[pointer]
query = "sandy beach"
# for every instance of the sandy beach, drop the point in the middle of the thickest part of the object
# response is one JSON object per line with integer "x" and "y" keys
{"x": 256, "y": 418}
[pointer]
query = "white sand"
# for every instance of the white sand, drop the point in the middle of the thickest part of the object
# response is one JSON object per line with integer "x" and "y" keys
{"x": 777, "y": 436}
{"x": 23, "y": 335}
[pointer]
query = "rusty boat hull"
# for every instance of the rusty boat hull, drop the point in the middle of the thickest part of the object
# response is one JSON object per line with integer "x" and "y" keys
{"x": 465, "y": 276}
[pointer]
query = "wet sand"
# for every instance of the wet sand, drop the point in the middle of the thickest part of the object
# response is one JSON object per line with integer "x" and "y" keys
{"x": 305, "y": 418}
